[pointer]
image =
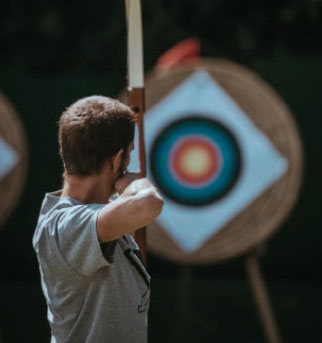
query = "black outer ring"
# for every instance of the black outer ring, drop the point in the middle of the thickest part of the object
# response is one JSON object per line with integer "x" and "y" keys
{"x": 191, "y": 202}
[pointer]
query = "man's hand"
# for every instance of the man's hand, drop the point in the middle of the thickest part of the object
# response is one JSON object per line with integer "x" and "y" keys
{"x": 124, "y": 181}
{"x": 138, "y": 205}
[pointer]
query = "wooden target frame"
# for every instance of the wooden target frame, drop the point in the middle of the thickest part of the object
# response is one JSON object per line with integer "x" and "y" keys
{"x": 271, "y": 115}
{"x": 12, "y": 132}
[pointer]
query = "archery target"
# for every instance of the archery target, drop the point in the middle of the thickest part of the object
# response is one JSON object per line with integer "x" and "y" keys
{"x": 200, "y": 120}
{"x": 195, "y": 161}
{"x": 13, "y": 157}
{"x": 208, "y": 159}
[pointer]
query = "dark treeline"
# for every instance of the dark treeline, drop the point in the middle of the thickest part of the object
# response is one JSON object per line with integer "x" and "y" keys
{"x": 51, "y": 35}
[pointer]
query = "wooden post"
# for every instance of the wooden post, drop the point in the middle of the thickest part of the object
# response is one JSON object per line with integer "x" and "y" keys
{"x": 261, "y": 299}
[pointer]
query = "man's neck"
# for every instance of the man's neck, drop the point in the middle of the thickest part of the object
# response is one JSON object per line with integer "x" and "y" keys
{"x": 88, "y": 189}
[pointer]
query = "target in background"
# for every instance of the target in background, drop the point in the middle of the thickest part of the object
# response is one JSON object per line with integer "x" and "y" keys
{"x": 13, "y": 158}
{"x": 195, "y": 161}
{"x": 224, "y": 152}
{"x": 207, "y": 158}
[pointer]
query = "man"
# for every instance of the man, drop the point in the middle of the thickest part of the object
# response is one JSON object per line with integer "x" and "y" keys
{"x": 96, "y": 288}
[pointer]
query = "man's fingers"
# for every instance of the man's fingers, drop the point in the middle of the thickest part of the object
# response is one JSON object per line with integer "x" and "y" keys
{"x": 124, "y": 181}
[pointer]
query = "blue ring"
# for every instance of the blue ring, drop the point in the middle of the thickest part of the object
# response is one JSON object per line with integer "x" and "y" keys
{"x": 210, "y": 129}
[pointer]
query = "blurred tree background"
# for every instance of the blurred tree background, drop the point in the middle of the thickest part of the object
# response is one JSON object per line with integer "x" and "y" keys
{"x": 54, "y": 52}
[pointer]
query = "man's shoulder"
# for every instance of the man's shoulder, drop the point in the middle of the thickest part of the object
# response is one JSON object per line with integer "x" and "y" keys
{"x": 58, "y": 212}
{"x": 53, "y": 205}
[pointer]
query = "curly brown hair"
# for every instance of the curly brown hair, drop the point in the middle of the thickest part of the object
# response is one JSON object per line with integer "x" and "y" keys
{"x": 91, "y": 131}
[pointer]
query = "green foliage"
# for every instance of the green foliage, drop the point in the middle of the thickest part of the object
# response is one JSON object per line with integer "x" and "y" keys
{"x": 51, "y": 35}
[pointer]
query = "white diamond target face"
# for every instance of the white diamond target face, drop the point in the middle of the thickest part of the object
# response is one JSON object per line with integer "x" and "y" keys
{"x": 207, "y": 158}
{"x": 8, "y": 158}
{"x": 195, "y": 161}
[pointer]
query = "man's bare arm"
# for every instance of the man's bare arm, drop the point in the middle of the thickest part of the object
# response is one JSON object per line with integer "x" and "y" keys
{"x": 138, "y": 205}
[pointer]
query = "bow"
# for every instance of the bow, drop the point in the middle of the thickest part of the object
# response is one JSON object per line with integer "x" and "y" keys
{"x": 135, "y": 90}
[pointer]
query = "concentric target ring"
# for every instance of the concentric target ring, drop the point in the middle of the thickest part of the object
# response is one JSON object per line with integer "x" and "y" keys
{"x": 195, "y": 161}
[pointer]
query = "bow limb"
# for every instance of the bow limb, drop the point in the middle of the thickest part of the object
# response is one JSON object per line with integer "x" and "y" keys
{"x": 135, "y": 92}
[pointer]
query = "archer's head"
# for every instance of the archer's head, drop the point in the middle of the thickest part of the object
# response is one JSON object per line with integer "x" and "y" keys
{"x": 92, "y": 131}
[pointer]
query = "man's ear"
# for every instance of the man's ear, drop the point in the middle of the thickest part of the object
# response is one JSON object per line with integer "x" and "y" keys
{"x": 117, "y": 160}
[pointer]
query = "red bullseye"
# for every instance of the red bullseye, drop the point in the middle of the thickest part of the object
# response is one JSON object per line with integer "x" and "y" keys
{"x": 195, "y": 161}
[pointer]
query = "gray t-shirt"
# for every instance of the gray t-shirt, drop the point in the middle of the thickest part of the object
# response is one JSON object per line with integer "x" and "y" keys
{"x": 95, "y": 292}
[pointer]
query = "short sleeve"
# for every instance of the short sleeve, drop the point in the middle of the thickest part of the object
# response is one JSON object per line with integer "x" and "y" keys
{"x": 78, "y": 240}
